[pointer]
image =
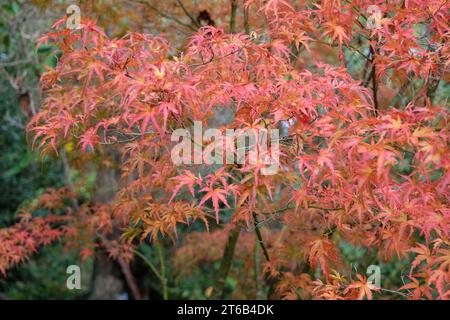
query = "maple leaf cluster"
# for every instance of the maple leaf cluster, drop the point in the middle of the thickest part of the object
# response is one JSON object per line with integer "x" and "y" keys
{"x": 21, "y": 240}
{"x": 349, "y": 169}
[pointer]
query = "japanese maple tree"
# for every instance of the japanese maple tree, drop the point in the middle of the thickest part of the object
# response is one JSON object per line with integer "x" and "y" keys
{"x": 363, "y": 153}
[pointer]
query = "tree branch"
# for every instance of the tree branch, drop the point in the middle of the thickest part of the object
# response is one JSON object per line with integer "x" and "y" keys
{"x": 125, "y": 267}
{"x": 374, "y": 81}
{"x": 270, "y": 281}
{"x": 194, "y": 21}
{"x": 260, "y": 240}
{"x": 246, "y": 22}
{"x": 165, "y": 15}
{"x": 218, "y": 292}
{"x": 159, "y": 274}
{"x": 131, "y": 281}
{"x": 234, "y": 6}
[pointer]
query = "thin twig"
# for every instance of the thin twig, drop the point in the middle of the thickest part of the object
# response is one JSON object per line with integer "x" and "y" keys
{"x": 183, "y": 7}
{"x": 149, "y": 263}
{"x": 165, "y": 15}
{"x": 131, "y": 280}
